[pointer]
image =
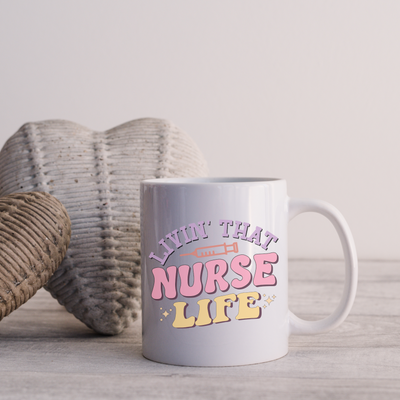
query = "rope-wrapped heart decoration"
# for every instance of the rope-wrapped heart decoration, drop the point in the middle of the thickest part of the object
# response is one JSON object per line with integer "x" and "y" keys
{"x": 96, "y": 176}
{"x": 35, "y": 232}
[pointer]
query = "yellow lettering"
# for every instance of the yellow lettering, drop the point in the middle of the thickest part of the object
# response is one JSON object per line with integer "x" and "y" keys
{"x": 221, "y": 303}
{"x": 204, "y": 317}
{"x": 180, "y": 316}
{"x": 246, "y": 312}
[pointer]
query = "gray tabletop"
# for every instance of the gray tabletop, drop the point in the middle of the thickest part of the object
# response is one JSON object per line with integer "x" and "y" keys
{"x": 47, "y": 354}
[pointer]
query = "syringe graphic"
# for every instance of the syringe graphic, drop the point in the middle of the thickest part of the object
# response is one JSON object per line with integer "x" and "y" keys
{"x": 216, "y": 250}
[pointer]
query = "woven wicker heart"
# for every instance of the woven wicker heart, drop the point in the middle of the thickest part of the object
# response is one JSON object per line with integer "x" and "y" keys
{"x": 96, "y": 176}
{"x": 35, "y": 231}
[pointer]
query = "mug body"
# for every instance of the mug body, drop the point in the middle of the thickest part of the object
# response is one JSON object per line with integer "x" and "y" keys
{"x": 214, "y": 270}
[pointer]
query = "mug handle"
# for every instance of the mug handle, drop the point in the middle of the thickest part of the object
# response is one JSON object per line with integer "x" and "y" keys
{"x": 299, "y": 326}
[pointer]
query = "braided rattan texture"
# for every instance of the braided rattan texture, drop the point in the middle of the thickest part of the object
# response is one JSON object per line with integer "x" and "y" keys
{"x": 96, "y": 176}
{"x": 35, "y": 231}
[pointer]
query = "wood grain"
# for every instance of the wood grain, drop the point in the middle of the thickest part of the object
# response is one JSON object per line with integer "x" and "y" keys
{"x": 41, "y": 342}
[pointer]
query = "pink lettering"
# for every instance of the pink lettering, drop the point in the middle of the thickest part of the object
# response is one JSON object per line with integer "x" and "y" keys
{"x": 238, "y": 265}
{"x": 160, "y": 279}
{"x": 184, "y": 273}
{"x": 263, "y": 267}
{"x": 216, "y": 270}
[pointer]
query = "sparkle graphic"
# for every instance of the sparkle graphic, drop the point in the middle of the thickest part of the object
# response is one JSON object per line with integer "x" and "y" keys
{"x": 165, "y": 313}
{"x": 269, "y": 300}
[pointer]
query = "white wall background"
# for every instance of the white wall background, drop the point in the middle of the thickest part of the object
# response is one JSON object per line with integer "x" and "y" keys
{"x": 305, "y": 90}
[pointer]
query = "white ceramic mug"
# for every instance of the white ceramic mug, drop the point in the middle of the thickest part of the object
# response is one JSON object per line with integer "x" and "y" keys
{"x": 215, "y": 270}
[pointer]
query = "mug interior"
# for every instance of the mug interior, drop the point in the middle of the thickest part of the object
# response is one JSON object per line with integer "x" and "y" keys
{"x": 215, "y": 180}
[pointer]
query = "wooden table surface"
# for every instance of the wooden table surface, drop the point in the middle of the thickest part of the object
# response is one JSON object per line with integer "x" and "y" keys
{"x": 48, "y": 354}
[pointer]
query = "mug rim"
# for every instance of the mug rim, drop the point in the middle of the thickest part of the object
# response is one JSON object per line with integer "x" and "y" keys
{"x": 210, "y": 180}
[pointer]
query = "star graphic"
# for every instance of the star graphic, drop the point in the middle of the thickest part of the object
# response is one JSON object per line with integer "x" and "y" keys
{"x": 269, "y": 300}
{"x": 165, "y": 313}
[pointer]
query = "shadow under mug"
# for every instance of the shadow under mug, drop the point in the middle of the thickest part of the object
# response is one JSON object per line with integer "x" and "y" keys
{"x": 215, "y": 270}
